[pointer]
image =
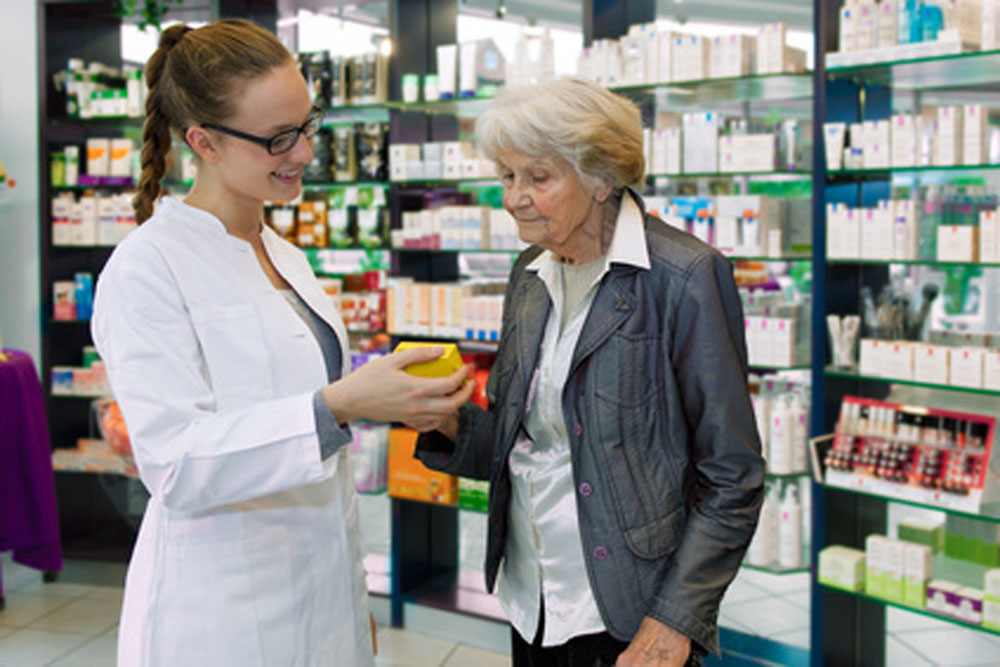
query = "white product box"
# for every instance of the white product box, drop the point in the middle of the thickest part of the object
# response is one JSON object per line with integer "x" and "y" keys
{"x": 658, "y": 161}
{"x": 948, "y": 141}
{"x": 906, "y": 236}
{"x": 988, "y": 34}
{"x": 957, "y": 243}
{"x": 839, "y": 226}
{"x": 966, "y": 367}
{"x": 120, "y": 161}
{"x": 674, "y": 150}
{"x": 107, "y": 218}
{"x": 747, "y": 152}
{"x": 700, "y": 143}
{"x": 974, "y": 126}
{"x": 991, "y": 370}
{"x": 783, "y": 342}
{"x": 665, "y": 46}
{"x": 904, "y": 138}
{"x": 871, "y": 356}
{"x": 758, "y": 340}
{"x": 917, "y": 562}
{"x": 833, "y": 144}
{"x": 848, "y": 28}
{"x": 886, "y": 24}
{"x": 930, "y": 363}
{"x": 989, "y": 237}
{"x": 690, "y": 58}
{"x": 98, "y": 156}
{"x": 877, "y": 231}
{"x": 851, "y": 234}
{"x": 898, "y": 362}
{"x": 876, "y": 144}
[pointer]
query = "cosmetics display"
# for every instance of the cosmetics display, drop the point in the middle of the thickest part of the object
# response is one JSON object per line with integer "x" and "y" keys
{"x": 924, "y": 455}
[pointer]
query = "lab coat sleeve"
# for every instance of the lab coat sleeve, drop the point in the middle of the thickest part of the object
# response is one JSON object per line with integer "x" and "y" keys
{"x": 191, "y": 456}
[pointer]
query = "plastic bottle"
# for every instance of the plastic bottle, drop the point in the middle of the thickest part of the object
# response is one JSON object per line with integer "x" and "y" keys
{"x": 780, "y": 443}
{"x": 763, "y": 548}
{"x": 790, "y": 529}
{"x": 800, "y": 434}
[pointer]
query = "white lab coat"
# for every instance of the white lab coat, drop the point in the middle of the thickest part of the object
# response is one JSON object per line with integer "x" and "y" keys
{"x": 249, "y": 552}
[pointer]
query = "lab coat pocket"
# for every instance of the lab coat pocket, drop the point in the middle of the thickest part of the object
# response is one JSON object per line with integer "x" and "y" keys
{"x": 235, "y": 352}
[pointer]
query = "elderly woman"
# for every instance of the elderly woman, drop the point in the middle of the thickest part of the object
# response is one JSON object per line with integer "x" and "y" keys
{"x": 624, "y": 464}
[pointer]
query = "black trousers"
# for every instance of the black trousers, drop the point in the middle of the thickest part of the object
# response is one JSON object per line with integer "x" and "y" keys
{"x": 584, "y": 651}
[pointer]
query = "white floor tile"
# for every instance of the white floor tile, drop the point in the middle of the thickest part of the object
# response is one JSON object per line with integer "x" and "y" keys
{"x": 900, "y": 620}
{"x": 23, "y": 609}
{"x": 742, "y": 590}
{"x": 769, "y": 616}
{"x": 397, "y": 648}
{"x": 101, "y": 651}
{"x": 35, "y": 648}
{"x": 802, "y": 599}
{"x": 957, "y": 646}
{"x": 898, "y": 654}
{"x": 85, "y": 616}
{"x": 798, "y": 638}
{"x": 16, "y": 576}
{"x": 776, "y": 584}
{"x": 728, "y": 621}
{"x": 464, "y": 656}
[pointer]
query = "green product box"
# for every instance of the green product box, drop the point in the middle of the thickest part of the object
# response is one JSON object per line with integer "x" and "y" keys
{"x": 954, "y": 545}
{"x": 991, "y": 613}
{"x": 473, "y": 494}
{"x": 931, "y": 535}
{"x": 876, "y": 583}
{"x": 915, "y": 593}
{"x": 842, "y": 567}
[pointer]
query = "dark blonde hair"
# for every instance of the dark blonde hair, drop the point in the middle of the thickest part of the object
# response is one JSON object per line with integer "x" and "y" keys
{"x": 598, "y": 132}
{"x": 193, "y": 77}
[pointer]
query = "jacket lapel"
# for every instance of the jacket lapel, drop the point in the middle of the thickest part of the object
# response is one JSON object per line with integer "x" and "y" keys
{"x": 614, "y": 302}
{"x": 532, "y": 317}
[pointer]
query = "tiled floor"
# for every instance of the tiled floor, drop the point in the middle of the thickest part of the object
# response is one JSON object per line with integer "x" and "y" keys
{"x": 73, "y": 622}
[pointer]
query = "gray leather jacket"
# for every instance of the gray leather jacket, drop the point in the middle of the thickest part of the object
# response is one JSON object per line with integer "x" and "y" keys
{"x": 665, "y": 453}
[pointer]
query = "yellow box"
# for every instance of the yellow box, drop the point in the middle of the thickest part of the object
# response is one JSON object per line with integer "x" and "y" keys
{"x": 443, "y": 366}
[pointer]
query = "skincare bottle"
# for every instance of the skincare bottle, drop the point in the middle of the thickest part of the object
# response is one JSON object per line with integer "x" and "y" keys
{"x": 790, "y": 529}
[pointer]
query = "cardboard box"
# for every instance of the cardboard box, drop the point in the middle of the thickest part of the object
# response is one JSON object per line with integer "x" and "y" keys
{"x": 411, "y": 479}
{"x": 957, "y": 243}
{"x": 443, "y": 366}
{"x": 930, "y": 363}
{"x": 842, "y": 567}
{"x": 966, "y": 367}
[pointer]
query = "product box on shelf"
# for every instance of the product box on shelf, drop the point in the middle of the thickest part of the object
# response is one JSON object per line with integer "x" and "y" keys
{"x": 919, "y": 454}
{"x": 966, "y": 367}
{"x": 991, "y": 599}
{"x": 409, "y": 479}
{"x": 957, "y": 243}
{"x": 917, "y": 571}
{"x": 842, "y": 567}
{"x": 927, "y": 534}
{"x": 991, "y": 370}
{"x": 931, "y": 363}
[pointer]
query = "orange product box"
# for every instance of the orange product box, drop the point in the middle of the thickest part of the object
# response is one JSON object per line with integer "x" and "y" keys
{"x": 410, "y": 479}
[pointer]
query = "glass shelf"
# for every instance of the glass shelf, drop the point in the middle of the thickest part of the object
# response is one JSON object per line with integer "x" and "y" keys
{"x": 960, "y": 70}
{"x": 330, "y": 185}
{"x": 909, "y": 262}
{"x": 915, "y": 610}
{"x": 441, "y": 182}
{"x": 360, "y": 113}
{"x": 835, "y": 373}
{"x": 765, "y": 367}
{"x": 761, "y": 258}
{"x": 774, "y": 568}
{"x": 785, "y": 475}
{"x": 787, "y": 175}
{"x": 992, "y": 514}
{"x": 463, "y": 106}
{"x": 888, "y": 172}
{"x": 458, "y": 251}
{"x": 752, "y": 88}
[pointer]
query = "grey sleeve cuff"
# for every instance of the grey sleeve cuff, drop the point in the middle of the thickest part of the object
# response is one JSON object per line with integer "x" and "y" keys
{"x": 332, "y": 436}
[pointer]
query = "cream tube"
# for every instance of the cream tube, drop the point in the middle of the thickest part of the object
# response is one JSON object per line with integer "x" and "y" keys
{"x": 833, "y": 138}
{"x": 467, "y": 70}
{"x": 446, "y": 55}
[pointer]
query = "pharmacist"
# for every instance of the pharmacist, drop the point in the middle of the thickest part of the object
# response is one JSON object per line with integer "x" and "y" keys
{"x": 229, "y": 363}
{"x": 624, "y": 464}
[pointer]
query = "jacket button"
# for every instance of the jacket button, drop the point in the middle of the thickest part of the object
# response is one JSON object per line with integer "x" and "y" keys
{"x": 586, "y": 490}
{"x": 600, "y": 553}
{"x": 577, "y": 429}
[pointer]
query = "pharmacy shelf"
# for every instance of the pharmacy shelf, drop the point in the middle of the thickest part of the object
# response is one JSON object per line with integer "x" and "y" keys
{"x": 466, "y": 107}
{"x": 910, "y": 262}
{"x": 775, "y": 369}
{"x": 360, "y": 113}
{"x": 763, "y": 258}
{"x": 963, "y": 70}
{"x": 330, "y": 185}
{"x": 848, "y": 375}
{"x": 465, "y": 344}
{"x": 931, "y": 171}
{"x": 752, "y": 88}
{"x": 915, "y": 610}
{"x": 456, "y": 182}
{"x": 786, "y": 175}
{"x": 774, "y": 568}
{"x": 783, "y": 475}
{"x": 991, "y": 515}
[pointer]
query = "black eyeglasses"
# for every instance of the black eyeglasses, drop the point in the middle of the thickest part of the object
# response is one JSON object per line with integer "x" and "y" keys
{"x": 283, "y": 141}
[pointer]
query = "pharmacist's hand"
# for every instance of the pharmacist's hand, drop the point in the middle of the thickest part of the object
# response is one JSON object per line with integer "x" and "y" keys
{"x": 656, "y": 645}
{"x": 382, "y": 391}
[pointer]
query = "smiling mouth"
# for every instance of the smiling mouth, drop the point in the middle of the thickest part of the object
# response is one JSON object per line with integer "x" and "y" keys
{"x": 287, "y": 175}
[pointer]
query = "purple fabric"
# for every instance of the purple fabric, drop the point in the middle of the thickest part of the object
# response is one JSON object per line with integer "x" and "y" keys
{"x": 29, "y": 523}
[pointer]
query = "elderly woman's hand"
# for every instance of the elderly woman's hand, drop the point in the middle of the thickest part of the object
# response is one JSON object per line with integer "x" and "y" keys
{"x": 656, "y": 645}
